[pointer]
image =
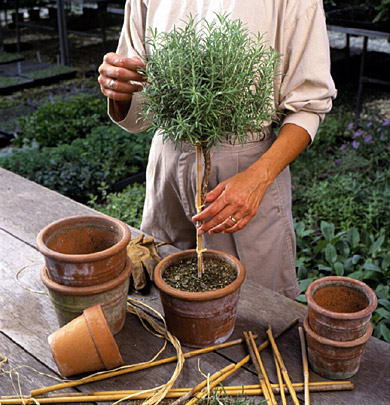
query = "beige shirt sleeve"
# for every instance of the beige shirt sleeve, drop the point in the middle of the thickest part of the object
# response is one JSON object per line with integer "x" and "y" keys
{"x": 306, "y": 90}
{"x": 131, "y": 43}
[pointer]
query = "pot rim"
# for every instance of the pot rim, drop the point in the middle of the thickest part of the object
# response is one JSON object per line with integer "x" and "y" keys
{"x": 114, "y": 223}
{"x": 199, "y": 296}
{"x": 337, "y": 280}
{"x": 340, "y": 344}
{"x": 90, "y": 290}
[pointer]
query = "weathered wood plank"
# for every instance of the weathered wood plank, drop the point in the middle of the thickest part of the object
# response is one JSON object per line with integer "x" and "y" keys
{"x": 27, "y": 318}
{"x": 27, "y": 207}
{"x": 23, "y": 379}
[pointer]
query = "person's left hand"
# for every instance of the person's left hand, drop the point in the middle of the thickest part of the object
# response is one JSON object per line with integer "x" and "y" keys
{"x": 233, "y": 203}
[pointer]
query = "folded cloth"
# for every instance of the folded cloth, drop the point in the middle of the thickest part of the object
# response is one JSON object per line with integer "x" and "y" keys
{"x": 144, "y": 257}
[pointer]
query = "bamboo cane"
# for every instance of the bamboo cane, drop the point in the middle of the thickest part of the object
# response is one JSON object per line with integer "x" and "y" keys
{"x": 280, "y": 380}
{"x": 99, "y": 396}
{"x": 240, "y": 364}
{"x": 141, "y": 366}
{"x": 199, "y": 207}
{"x": 200, "y": 386}
{"x": 256, "y": 363}
{"x": 282, "y": 366}
{"x": 305, "y": 366}
{"x": 144, "y": 366}
{"x": 267, "y": 382}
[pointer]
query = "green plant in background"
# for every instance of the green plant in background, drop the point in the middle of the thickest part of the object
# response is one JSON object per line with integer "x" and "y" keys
{"x": 49, "y": 72}
{"x": 220, "y": 396}
{"x": 106, "y": 155}
{"x": 341, "y": 202}
{"x": 344, "y": 177}
{"x": 6, "y": 81}
{"x": 6, "y": 57}
{"x": 208, "y": 82}
{"x": 126, "y": 205}
{"x": 352, "y": 253}
{"x": 61, "y": 121}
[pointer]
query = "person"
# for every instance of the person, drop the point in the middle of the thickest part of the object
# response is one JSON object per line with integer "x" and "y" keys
{"x": 248, "y": 208}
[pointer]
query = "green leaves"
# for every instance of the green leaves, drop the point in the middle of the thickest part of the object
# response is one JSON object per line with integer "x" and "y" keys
{"x": 62, "y": 121}
{"x": 208, "y": 81}
{"x": 355, "y": 254}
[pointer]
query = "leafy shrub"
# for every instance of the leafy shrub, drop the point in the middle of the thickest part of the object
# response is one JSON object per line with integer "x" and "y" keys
{"x": 62, "y": 121}
{"x": 341, "y": 201}
{"x": 351, "y": 253}
{"x": 345, "y": 180}
{"x": 106, "y": 155}
{"x": 347, "y": 199}
{"x": 126, "y": 205}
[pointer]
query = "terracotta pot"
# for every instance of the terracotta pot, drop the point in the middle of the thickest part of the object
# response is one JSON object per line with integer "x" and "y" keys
{"x": 85, "y": 344}
{"x": 69, "y": 302}
{"x": 200, "y": 319}
{"x": 340, "y": 308}
{"x": 84, "y": 250}
{"x": 335, "y": 359}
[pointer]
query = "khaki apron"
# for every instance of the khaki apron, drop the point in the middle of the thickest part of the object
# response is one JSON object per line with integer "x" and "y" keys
{"x": 266, "y": 246}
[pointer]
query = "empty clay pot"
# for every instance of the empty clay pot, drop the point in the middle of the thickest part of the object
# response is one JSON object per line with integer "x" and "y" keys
{"x": 200, "y": 319}
{"x": 85, "y": 344}
{"x": 84, "y": 250}
{"x": 334, "y": 359}
{"x": 69, "y": 302}
{"x": 340, "y": 308}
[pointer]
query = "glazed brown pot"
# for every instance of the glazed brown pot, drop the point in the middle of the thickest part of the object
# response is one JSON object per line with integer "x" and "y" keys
{"x": 334, "y": 359}
{"x": 85, "y": 344}
{"x": 200, "y": 319}
{"x": 84, "y": 250}
{"x": 340, "y": 308}
{"x": 70, "y": 302}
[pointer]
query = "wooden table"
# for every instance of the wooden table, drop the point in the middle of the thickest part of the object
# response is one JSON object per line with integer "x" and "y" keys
{"x": 27, "y": 318}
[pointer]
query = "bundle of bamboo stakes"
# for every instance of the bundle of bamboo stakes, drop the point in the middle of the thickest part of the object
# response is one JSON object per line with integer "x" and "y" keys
{"x": 202, "y": 390}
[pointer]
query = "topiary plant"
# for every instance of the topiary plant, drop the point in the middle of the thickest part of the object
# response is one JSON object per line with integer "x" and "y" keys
{"x": 208, "y": 82}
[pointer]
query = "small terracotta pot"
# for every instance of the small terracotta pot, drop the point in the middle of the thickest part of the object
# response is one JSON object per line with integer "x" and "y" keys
{"x": 340, "y": 308}
{"x": 335, "y": 359}
{"x": 85, "y": 344}
{"x": 84, "y": 250}
{"x": 69, "y": 302}
{"x": 200, "y": 319}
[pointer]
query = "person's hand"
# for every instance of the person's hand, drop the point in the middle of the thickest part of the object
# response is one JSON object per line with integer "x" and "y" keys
{"x": 118, "y": 77}
{"x": 233, "y": 203}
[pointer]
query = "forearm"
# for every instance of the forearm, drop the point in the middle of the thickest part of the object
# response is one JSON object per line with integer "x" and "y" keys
{"x": 120, "y": 109}
{"x": 290, "y": 143}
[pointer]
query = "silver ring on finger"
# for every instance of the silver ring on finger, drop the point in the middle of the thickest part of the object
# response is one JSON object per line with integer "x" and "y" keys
{"x": 233, "y": 220}
{"x": 111, "y": 85}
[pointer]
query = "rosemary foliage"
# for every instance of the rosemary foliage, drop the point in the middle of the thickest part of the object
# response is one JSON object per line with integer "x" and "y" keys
{"x": 209, "y": 81}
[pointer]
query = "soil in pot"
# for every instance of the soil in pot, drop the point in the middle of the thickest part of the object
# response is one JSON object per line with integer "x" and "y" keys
{"x": 184, "y": 275}
{"x": 200, "y": 318}
{"x": 339, "y": 298}
{"x": 339, "y": 307}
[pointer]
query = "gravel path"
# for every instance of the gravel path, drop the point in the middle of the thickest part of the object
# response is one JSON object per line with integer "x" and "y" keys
{"x": 337, "y": 40}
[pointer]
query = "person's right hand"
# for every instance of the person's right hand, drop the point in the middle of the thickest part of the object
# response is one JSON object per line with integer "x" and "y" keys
{"x": 118, "y": 77}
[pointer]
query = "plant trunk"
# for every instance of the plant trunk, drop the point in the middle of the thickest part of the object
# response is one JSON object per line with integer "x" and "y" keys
{"x": 201, "y": 191}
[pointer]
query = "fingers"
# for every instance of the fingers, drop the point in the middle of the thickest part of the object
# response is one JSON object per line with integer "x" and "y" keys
{"x": 122, "y": 68}
{"x": 119, "y": 78}
{"x": 118, "y": 90}
{"x": 232, "y": 204}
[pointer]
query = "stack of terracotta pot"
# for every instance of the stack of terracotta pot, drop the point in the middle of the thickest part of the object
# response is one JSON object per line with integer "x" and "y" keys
{"x": 86, "y": 264}
{"x": 338, "y": 325}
